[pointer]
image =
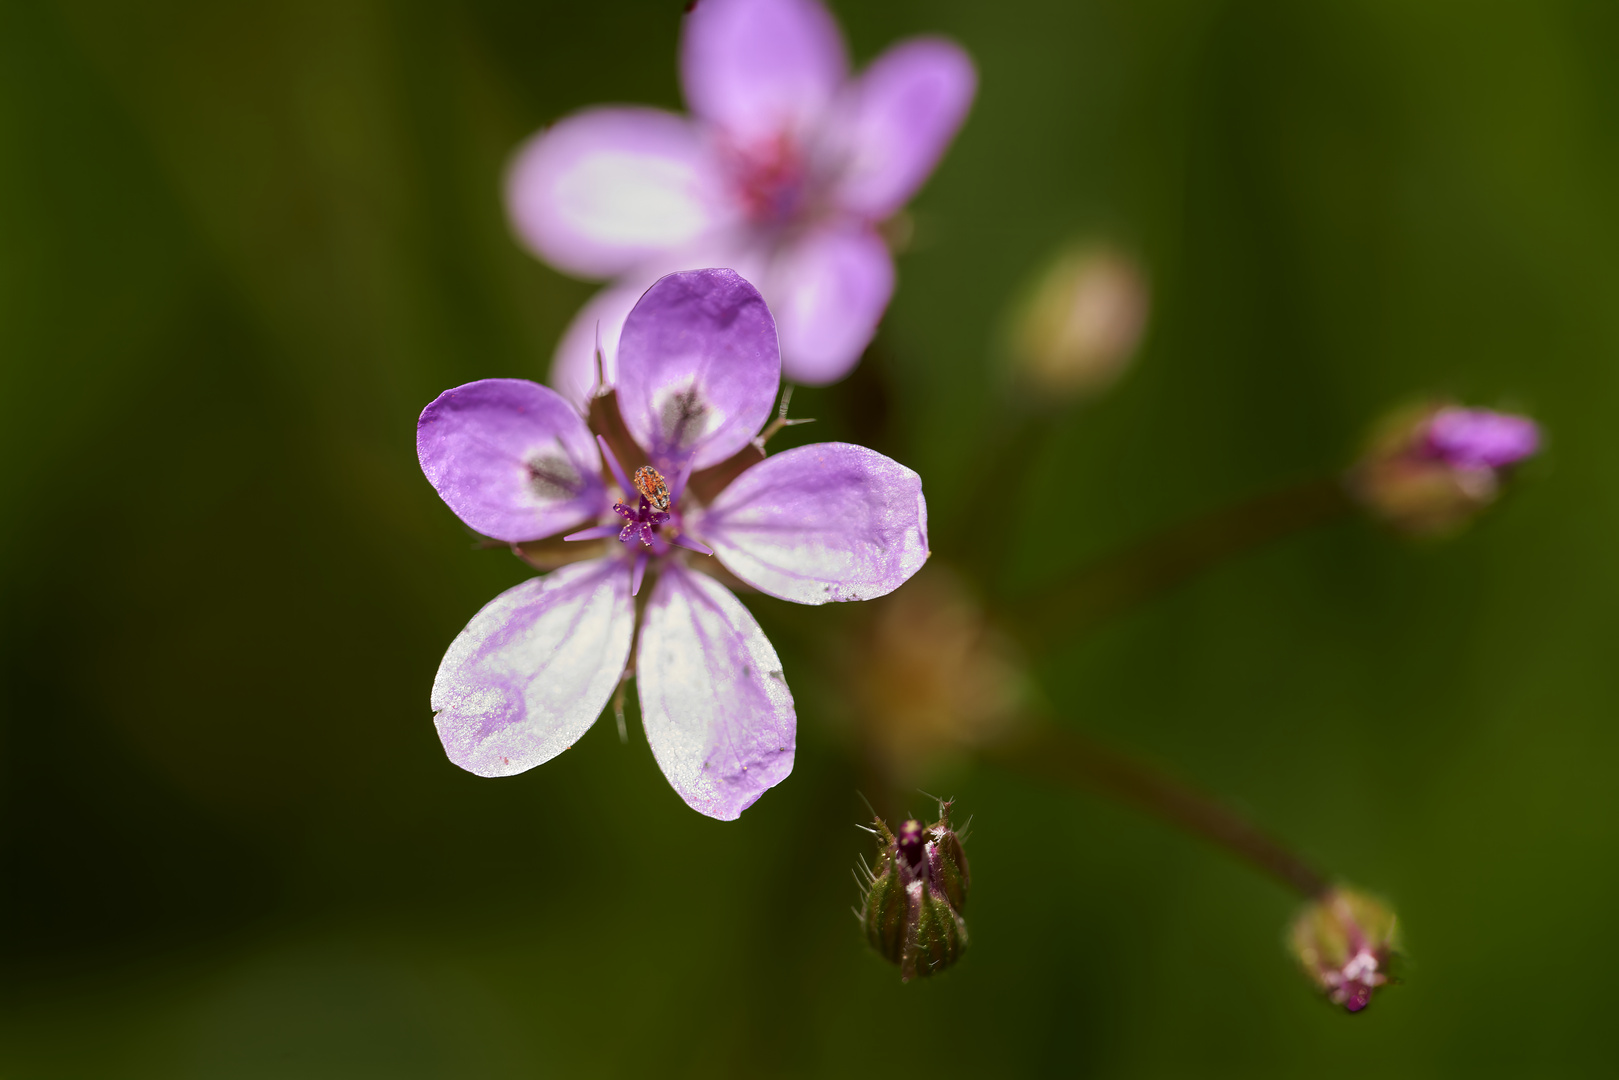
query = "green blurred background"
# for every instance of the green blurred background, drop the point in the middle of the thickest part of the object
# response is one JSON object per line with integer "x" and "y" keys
{"x": 242, "y": 244}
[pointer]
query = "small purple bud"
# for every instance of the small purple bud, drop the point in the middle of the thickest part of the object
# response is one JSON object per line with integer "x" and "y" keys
{"x": 911, "y": 904}
{"x": 1429, "y": 471}
{"x": 1344, "y": 940}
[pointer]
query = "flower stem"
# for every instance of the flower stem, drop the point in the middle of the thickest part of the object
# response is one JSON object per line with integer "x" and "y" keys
{"x": 1120, "y": 581}
{"x": 1075, "y": 760}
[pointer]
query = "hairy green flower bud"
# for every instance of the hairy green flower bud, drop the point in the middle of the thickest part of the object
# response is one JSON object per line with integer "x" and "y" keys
{"x": 911, "y": 904}
{"x": 1345, "y": 942}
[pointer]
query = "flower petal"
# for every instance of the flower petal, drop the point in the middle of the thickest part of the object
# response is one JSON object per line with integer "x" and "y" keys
{"x": 533, "y": 669}
{"x": 601, "y": 190}
{"x": 896, "y": 121}
{"x": 573, "y": 365}
{"x": 698, "y": 367}
{"x": 714, "y": 702}
{"x": 511, "y": 458}
{"x": 829, "y": 291}
{"x": 824, "y": 522}
{"x": 761, "y": 68}
{"x": 1481, "y": 438}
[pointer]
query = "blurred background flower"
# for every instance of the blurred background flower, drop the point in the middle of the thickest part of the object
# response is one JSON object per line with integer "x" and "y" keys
{"x": 785, "y": 173}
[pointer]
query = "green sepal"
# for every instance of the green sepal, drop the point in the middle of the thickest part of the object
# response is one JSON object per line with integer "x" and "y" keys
{"x": 885, "y": 912}
{"x": 953, "y": 878}
{"x": 941, "y": 935}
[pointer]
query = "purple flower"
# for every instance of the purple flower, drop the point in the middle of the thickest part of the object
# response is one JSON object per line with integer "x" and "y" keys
{"x": 783, "y": 172}
{"x": 698, "y": 371}
{"x": 1480, "y": 438}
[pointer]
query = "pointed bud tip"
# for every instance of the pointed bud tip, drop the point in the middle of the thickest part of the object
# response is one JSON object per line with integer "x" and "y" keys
{"x": 1345, "y": 942}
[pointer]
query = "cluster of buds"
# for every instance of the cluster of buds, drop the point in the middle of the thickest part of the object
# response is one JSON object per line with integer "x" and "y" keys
{"x": 1345, "y": 942}
{"x": 1430, "y": 470}
{"x": 910, "y": 906}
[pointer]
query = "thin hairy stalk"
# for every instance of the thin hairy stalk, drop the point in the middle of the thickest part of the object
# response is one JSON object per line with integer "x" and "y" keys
{"x": 1116, "y": 583}
{"x": 1074, "y": 760}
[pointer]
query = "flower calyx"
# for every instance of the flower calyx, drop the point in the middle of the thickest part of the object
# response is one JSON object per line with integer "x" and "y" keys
{"x": 911, "y": 903}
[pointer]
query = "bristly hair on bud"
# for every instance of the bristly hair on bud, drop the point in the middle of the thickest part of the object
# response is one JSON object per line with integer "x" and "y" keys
{"x": 911, "y": 904}
{"x": 1345, "y": 941}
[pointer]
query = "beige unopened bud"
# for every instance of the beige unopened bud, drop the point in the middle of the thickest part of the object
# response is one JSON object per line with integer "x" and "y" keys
{"x": 1077, "y": 327}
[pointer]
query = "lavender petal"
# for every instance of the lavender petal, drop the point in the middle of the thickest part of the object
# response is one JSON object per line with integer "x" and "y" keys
{"x": 828, "y": 292}
{"x": 1482, "y": 438}
{"x": 698, "y": 367}
{"x": 573, "y": 364}
{"x": 894, "y": 123}
{"x": 821, "y": 523}
{"x": 759, "y": 69}
{"x": 601, "y": 190}
{"x": 714, "y": 701}
{"x": 534, "y": 668}
{"x": 682, "y": 540}
{"x": 511, "y": 458}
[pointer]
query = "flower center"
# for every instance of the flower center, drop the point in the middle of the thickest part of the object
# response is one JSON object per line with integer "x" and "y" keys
{"x": 652, "y": 510}
{"x": 770, "y": 178}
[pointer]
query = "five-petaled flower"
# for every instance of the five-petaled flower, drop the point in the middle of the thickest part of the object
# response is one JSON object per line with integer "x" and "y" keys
{"x": 699, "y": 367}
{"x": 783, "y": 172}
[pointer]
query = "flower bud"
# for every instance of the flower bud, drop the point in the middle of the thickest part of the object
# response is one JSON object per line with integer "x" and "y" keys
{"x": 911, "y": 905}
{"x": 1345, "y": 942}
{"x": 1077, "y": 328}
{"x": 1429, "y": 471}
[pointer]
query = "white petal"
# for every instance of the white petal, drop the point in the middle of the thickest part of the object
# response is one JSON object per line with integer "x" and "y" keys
{"x": 714, "y": 700}
{"x": 603, "y": 189}
{"x": 534, "y": 668}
